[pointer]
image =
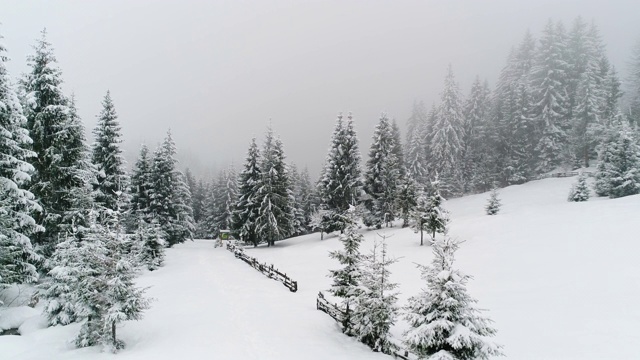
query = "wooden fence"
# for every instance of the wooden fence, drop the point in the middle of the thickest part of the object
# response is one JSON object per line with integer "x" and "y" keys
{"x": 338, "y": 315}
{"x": 269, "y": 271}
{"x": 564, "y": 174}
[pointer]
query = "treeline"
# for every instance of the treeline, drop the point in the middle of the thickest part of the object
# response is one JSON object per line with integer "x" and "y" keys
{"x": 557, "y": 104}
{"x": 71, "y": 216}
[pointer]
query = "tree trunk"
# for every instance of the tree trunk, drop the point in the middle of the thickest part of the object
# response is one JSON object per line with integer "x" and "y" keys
{"x": 421, "y": 237}
{"x": 113, "y": 333}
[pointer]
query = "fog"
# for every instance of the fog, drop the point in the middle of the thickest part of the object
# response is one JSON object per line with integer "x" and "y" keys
{"x": 217, "y": 72}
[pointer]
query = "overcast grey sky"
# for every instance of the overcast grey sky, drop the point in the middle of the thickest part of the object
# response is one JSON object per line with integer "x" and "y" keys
{"x": 215, "y": 72}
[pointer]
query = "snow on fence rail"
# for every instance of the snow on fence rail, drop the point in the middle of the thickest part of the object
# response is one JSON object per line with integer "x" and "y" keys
{"x": 268, "y": 271}
{"x": 338, "y": 315}
{"x": 564, "y": 174}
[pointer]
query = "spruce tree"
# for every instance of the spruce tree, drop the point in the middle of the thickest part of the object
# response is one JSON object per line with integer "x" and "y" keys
{"x": 580, "y": 190}
{"x": 406, "y": 201}
{"x": 618, "y": 173}
{"x": 415, "y": 145}
{"x": 346, "y": 280}
{"x": 420, "y": 215}
{"x": 375, "y": 308}
{"x": 437, "y": 217}
{"x": 340, "y": 184}
{"x": 552, "y": 107}
{"x": 227, "y": 192}
{"x": 63, "y": 172}
{"x": 447, "y": 136}
{"x": 445, "y": 322}
{"x": 493, "y": 204}
{"x": 247, "y": 208}
{"x": 141, "y": 185}
{"x": 17, "y": 255}
{"x": 382, "y": 176}
{"x": 112, "y": 179}
{"x": 169, "y": 195}
{"x": 275, "y": 217}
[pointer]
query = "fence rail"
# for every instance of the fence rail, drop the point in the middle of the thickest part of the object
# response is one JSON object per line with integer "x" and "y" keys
{"x": 338, "y": 315}
{"x": 267, "y": 270}
{"x": 564, "y": 174}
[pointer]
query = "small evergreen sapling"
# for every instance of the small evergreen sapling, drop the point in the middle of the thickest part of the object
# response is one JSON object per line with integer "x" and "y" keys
{"x": 346, "y": 280}
{"x": 375, "y": 306}
{"x": 445, "y": 323}
{"x": 493, "y": 204}
{"x": 580, "y": 190}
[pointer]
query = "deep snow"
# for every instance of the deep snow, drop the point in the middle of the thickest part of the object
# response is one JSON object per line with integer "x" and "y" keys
{"x": 561, "y": 281}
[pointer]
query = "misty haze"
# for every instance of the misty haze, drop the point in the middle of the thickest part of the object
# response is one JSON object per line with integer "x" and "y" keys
{"x": 443, "y": 180}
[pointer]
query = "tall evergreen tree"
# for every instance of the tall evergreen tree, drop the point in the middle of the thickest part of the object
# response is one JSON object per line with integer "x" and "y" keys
{"x": 340, "y": 184}
{"x": 551, "y": 104}
{"x": 141, "y": 185}
{"x": 375, "y": 306}
{"x": 346, "y": 280}
{"x": 447, "y": 136}
{"x": 397, "y": 150}
{"x": 169, "y": 195}
{"x": 445, "y": 323}
{"x": 112, "y": 179}
{"x": 382, "y": 176}
{"x": 248, "y": 206}
{"x": 17, "y": 255}
{"x": 618, "y": 173}
{"x": 227, "y": 192}
{"x": 415, "y": 146}
{"x": 63, "y": 172}
{"x": 275, "y": 216}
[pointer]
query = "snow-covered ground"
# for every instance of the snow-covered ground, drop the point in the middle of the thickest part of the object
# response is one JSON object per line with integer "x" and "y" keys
{"x": 561, "y": 281}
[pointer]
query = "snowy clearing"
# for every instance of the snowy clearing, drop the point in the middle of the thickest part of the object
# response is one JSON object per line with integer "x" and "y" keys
{"x": 561, "y": 281}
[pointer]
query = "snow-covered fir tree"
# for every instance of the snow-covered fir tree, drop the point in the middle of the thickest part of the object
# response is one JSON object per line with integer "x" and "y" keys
{"x": 476, "y": 113}
{"x": 493, "y": 203}
{"x": 169, "y": 196}
{"x": 445, "y": 322}
{"x": 375, "y": 308}
{"x": 551, "y": 103}
{"x": 141, "y": 185}
{"x": 340, "y": 184}
{"x": 302, "y": 194}
{"x": 17, "y": 255}
{"x": 447, "y": 135}
{"x": 346, "y": 280}
{"x": 415, "y": 145}
{"x": 397, "y": 148}
{"x": 618, "y": 173}
{"x": 420, "y": 215}
{"x": 436, "y": 217}
{"x": 63, "y": 171}
{"x": 632, "y": 86}
{"x": 381, "y": 177}
{"x": 207, "y": 228}
{"x": 112, "y": 179}
{"x": 580, "y": 190}
{"x": 104, "y": 293}
{"x": 275, "y": 216}
{"x": 247, "y": 208}
{"x": 151, "y": 239}
{"x": 196, "y": 188}
{"x": 226, "y": 193}
{"x": 407, "y": 199}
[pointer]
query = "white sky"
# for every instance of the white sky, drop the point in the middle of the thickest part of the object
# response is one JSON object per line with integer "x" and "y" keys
{"x": 217, "y": 71}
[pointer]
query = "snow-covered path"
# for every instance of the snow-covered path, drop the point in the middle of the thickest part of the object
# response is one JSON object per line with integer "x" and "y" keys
{"x": 209, "y": 305}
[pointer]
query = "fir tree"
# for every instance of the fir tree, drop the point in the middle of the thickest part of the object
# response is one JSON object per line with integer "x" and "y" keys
{"x": 346, "y": 280}
{"x": 420, "y": 215}
{"x": 382, "y": 176}
{"x": 141, "y": 185}
{"x": 447, "y": 136}
{"x": 247, "y": 208}
{"x": 63, "y": 171}
{"x": 396, "y": 149}
{"x": 340, "y": 184}
{"x": 493, "y": 204}
{"x": 437, "y": 217}
{"x": 227, "y": 191}
{"x": 551, "y": 110}
{"x": 112, "y": 180}
{"x": 406, "y": 201}
{"x": 618, "y": 173}
{"x": 208, "y": 225}
{"x": 445, "y": 323}
{"x": 17, "y": 255}
{"x": 415, "y": 146}
{"x": 275, "y": 216}
{"x": 169, "y": 195}
{"x": 375, "y": 308}
{"x": 580, "y": 190}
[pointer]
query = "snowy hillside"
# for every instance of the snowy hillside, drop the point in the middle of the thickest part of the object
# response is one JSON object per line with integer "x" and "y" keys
{"x": 561, "y": 281}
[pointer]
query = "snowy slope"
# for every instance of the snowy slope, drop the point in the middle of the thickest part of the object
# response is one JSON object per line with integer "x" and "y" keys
{"x": 561, "y": 281}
